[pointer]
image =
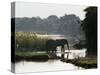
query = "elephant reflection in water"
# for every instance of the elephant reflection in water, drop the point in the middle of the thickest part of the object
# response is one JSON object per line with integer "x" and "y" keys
{"x": 51, "y": 45}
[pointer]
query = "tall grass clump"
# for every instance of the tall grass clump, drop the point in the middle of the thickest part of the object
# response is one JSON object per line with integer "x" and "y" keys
{"x": 30, "y": 41}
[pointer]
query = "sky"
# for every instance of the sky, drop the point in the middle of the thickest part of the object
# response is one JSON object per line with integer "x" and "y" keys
{"x": 43, "y": 10}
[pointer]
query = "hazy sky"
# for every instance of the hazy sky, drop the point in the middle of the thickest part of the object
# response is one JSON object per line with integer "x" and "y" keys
{"x": 43, "y": 10}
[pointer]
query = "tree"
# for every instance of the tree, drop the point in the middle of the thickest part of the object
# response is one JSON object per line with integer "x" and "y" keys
{"x": 89, "y": 26}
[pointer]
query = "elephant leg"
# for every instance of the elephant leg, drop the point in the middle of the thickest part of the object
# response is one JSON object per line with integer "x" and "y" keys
{"x": 55, "y": 50}
{"x": 52, "y": 51}
{"x": 67, "y": 45}
{"x": 62, "y": 52}
{"x": 68, "y": 49}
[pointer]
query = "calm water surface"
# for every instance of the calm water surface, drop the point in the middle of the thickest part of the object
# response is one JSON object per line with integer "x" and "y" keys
{"x": 50, "y": 65}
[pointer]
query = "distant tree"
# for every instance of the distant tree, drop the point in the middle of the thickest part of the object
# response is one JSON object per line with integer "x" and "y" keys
{"x": 70, "y": 24}
{"x": 89, "y": 26}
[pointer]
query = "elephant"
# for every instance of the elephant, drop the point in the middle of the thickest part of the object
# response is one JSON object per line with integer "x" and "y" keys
{"x": 51, "y": 44}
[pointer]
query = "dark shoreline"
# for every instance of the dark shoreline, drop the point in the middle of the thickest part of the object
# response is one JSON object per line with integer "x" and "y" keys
{"x": 41, "y": 57}
{"x": 86, "y": 63}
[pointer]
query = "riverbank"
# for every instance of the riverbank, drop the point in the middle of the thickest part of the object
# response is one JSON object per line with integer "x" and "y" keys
{"x": 34, "y": 56}
{"x": 86, "y": 63}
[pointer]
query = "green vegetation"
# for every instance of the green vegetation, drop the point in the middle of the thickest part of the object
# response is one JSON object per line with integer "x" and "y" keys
{"x": 83, "y": 62}
{"x": 29, "y": 41}
{"x": 34, "y": 56}
{"x": 28, "y": 45}
{"x": 31, "y": 56}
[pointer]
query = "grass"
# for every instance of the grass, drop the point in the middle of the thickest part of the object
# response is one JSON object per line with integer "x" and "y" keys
{"x": 29, "y": 53}
{"x": 34, "y": 56}
{"x": 31, "y": 56}
{"x": 30, "y": 41}
{"x": 86, "y": 63}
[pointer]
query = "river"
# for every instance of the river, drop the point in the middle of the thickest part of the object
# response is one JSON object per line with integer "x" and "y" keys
{"x": 50, "y": 65}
